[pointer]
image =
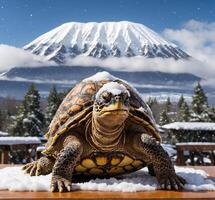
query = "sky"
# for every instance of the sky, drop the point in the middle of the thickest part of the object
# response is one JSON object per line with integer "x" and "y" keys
{"x": 188, "y": 23}
{"x": 21, "y": 21}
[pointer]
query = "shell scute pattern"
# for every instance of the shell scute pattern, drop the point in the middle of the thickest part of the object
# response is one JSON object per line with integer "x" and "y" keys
{"x": 78, "y": 103}
{"x": 105, "y": 164}
{"x": 77, "y": 100}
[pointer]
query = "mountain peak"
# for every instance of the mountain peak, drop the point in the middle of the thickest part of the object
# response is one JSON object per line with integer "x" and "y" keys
{"x": 102, "y": 40}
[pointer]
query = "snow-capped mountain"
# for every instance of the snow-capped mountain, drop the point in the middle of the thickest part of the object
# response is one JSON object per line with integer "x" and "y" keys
{"x": 102, "y": 40}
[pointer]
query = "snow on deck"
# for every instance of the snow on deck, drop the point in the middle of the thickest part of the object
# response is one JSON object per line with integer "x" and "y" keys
{"x": 3, "y": 133}
{"x": 41, "y": 148}
{"x": 195, "y": 143}
{"x": 14, "y": 179}
{"x": 19, "y": 140}
{"x": 204, "y": 126}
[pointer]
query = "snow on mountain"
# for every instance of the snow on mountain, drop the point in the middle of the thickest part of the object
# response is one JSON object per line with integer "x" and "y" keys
{"x": 102, "y": 40}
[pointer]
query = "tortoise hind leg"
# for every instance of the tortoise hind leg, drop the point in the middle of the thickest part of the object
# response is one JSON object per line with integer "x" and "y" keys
{"x": 64, "y": 165}
{"x": 43, "y": 166}
{"x": 154, "y": 154}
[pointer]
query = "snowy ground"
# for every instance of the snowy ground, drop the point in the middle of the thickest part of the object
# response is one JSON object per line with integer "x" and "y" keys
{"x": 13, "y": 179}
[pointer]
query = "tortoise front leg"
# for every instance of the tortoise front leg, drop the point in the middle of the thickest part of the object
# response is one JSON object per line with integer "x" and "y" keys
{"x": 64, "y": 165}
{"x": 43, "y": 166}
{"x": 153, "y": 154}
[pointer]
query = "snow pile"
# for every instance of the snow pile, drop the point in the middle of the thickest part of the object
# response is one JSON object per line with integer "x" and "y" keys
{"x": 170, "y": 149}
{"x": 191, "y": 126}
{"x": 19, "y": 140}
{"x": 14, "y": 179}
{"x": 100, "y": 76}
{"x": 114, "y": 88}
{"x": 3, "y": 133}
{"x": 41, "y": 148}
{"x": 195, "y": 143}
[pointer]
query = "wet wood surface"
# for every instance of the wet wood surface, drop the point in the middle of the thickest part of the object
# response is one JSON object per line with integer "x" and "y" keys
{"x": 158, "y": 194}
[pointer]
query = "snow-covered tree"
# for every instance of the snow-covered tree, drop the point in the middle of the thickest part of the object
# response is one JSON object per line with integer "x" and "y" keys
{"x": 184, "y": 113}
{"x": 164, "y": 118}
{"x": 168, "y": 105}
{"x": 212, "y": 114}
{"x": 200, "y": 108}
{"x": 29, "y": 119}
{"x": 34, "y": 118}
{"x": 181, "y": 101}
{"x": 151, "y": 102}
{"x": 54, "y": 100}
{"x": 16, "y": 126}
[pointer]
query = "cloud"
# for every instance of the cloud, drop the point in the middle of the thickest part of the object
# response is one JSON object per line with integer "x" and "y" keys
{"x": 12, "y": 57}
{"x": 138, "y": 64}
{"x": 198, "y": 39}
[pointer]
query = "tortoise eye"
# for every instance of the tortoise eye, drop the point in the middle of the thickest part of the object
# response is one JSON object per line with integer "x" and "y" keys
{"x": 106, "y": 96}
{"x": 126, "y": 97}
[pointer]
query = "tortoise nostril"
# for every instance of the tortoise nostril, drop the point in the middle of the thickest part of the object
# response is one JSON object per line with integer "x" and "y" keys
{"x": 117, "y": 98}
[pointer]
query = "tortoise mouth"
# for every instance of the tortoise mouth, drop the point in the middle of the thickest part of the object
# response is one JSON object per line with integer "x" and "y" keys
{"x": 115, "y": 112}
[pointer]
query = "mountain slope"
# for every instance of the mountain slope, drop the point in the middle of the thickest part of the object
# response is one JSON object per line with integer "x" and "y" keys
{"x": 16, "y": 81}
{"x": 102, "y": 40}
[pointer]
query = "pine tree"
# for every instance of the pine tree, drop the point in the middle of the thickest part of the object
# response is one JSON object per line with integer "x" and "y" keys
{"x": 184, "y": 113}
{"x": 29, "y": 119}
{"x": 150, "y": 102}
{"x": 54, "y": 100}
{"x": 34, "y": 119}
{"x": 168, "y": 105}
{"x": 164, "y": 119}
{"x": 181, "y": 101}
{"x": 212, "y": 114}
{"x": 200, "y": 108}
{"x": 16, "y": 126}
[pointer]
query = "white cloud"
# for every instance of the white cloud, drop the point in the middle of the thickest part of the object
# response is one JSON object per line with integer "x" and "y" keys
{"x": 139, "y": 64}
{"x": 12, "y": 57}
{"x": 198, "y": 39}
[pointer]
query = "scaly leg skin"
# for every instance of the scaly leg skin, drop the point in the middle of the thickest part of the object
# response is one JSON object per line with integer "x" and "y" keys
{"x": 162, "y": 165}
{"x": 43, "y": 166}
{"x": 64, "y": 166}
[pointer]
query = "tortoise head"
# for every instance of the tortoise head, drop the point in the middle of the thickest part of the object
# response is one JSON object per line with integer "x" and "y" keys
{"x": 111, "y": 105}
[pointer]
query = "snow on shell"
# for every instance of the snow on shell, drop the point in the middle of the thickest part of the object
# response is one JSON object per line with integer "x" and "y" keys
{"x": 99, "y": 76}
{"x": 14, "y": 179}
{"x": 19, "y": 140}
{"x": 114, "y": 88}
{"x": 191, "y": 126}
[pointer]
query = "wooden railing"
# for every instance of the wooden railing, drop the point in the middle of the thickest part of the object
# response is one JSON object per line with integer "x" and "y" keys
{"x": 27, "y": 148}
{"x": 196, "y": 153}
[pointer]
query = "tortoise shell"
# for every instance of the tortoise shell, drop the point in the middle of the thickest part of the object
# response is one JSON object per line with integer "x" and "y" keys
{"x": 78, "y": 105}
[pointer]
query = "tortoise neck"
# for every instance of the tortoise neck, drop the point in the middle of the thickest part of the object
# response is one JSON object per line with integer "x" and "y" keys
{"x": 106, "y": 138}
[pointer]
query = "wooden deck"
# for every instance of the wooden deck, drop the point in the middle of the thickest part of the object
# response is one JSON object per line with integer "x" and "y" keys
{"x": 113, "y": 195}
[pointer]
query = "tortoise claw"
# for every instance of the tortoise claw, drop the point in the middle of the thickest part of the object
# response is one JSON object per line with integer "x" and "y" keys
{"x": 60, "y": 184}
{"x": 172, "y": 182}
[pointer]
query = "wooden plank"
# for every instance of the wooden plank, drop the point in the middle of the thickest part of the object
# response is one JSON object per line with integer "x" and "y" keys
{"x": 151, "y": 195}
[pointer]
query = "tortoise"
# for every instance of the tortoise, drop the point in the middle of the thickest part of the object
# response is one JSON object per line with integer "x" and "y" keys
{"x": 103, "y": 129}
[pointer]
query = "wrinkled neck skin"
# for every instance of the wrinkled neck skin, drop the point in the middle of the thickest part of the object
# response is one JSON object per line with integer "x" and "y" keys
{"x": 107, "y": 134}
